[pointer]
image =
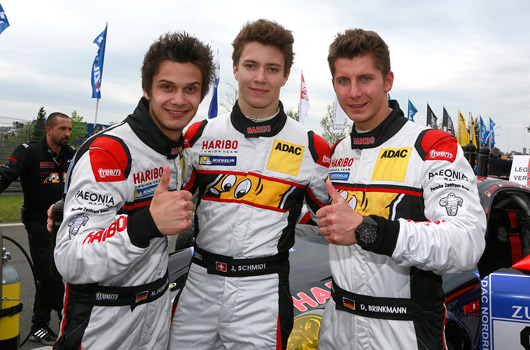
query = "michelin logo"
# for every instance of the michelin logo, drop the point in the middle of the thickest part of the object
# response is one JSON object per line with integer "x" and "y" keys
{"x": 217, "y": 160}
{"x": 339, "y": 176}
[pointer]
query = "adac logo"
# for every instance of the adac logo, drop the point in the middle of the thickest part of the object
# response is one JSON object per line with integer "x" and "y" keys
{"x": 252, "y": 190}
{"x": 290, "y": 148}
{"x": 392, "y": 164}
{"x": 399, "y": 153}
{"x": 286, "y": 157}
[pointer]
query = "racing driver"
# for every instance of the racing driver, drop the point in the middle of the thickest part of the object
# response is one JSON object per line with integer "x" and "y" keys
{"x": 252, "y": 168}
{"x": 112, "y": 244}
{"x": 407, "y": 212}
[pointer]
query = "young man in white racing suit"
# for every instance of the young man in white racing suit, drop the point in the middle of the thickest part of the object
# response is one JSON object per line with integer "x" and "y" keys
{"x": 120, "y": 206}
{"x": 406, "y": 212}
{"x": 252, "y": 168}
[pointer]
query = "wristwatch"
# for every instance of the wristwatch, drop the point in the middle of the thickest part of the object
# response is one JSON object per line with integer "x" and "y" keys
{"x": 366, "y": 233}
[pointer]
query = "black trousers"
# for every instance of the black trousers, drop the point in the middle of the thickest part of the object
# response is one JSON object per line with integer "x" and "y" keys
{"x": 50, "y": 288}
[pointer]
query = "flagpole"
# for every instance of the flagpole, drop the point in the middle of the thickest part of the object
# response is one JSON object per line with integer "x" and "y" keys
{"x": 96, "y": 116}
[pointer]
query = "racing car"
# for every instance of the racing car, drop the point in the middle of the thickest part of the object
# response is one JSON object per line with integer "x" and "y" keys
{"x": 488, "y": 308}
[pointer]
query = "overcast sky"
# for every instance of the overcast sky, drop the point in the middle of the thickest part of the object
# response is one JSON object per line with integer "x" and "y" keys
{"x": 472, "y": 56}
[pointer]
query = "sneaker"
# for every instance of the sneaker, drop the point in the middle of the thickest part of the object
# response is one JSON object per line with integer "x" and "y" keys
{"x": 44, "y": 335}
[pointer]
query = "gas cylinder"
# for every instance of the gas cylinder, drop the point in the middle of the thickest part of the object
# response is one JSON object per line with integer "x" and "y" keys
{"x": 11, "y": 306}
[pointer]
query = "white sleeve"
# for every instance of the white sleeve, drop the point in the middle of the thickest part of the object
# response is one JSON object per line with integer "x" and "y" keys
{"x": 452, "y": 240}
{"x": 93, "y": 243}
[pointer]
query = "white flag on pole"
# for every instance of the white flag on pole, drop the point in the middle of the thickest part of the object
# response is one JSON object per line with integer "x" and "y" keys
{"x": 338, "y": 117}
{"x": 304, "y": 101}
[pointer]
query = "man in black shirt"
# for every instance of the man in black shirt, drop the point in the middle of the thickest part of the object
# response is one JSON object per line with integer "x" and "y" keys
{"x": 41, "y": 166}
{"x": 497, "y": 165}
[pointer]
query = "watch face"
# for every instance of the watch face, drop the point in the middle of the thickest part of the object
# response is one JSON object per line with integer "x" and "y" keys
{"x": 367, "y": 233}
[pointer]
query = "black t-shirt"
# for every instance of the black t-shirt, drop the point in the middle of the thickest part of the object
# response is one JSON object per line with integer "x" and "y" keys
{"x": 42, "y": 173}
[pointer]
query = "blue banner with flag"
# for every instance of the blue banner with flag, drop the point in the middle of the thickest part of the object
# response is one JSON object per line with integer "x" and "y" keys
{"x": 213, "y": 109}
{"x": 483, "y": 132}
{"x": 97, "y": 67}
{"x": 4, "y": 23}
{"x": 412, "y": 111}
{"x": 492, "y": 134}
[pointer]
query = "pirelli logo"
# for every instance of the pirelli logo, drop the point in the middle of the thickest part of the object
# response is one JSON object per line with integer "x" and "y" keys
{"x": 286, "y": 157}
{"x": 392, "y": 164}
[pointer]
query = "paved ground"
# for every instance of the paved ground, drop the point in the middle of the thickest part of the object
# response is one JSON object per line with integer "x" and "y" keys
{"x": 18, "y": 233}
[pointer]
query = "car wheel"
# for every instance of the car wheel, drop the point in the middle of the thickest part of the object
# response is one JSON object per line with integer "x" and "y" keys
{"x": 456, "y": 337}
{"x": 185, "y": 239}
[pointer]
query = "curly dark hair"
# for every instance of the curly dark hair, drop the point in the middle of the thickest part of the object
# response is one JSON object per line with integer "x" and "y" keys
{"x": 268, "y": 33}
{"x": 360, "y": 42}
{"x": 182, "y": 48}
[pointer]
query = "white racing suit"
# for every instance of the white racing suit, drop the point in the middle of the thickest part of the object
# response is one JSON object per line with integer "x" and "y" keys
{"x": 423, "y": 195}
{"x": 109, "y": 249}
{"x": 252, "y": 180}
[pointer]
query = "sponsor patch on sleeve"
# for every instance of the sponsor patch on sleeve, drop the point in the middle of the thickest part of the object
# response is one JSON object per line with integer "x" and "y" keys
{"x": 108, "y": 159}
{"x": 286, "y": 157}
{"x": 392, "y": 164}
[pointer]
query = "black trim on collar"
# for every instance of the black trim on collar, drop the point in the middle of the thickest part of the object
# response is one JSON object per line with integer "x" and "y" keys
{"x": 384, "y": 131}
{"x": 145, "y": 128}
{"x": 250, "y": 128}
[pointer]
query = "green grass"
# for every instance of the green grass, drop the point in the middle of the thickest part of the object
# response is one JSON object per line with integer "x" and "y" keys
{"x": 10, "y": 208}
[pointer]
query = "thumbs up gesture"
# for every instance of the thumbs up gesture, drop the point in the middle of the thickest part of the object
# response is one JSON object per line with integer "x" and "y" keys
{"x": 337, "y": 222}
{"x": 171, "y": 210}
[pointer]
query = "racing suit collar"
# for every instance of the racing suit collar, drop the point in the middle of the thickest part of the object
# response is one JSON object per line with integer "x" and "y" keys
{"x": 384, "y": 131}
{"x": 145, "y": 128}
{"x": 250, "y": 128}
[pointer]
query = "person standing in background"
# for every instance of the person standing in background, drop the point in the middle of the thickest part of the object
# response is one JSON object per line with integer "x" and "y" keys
{"x": 42, "y": 167}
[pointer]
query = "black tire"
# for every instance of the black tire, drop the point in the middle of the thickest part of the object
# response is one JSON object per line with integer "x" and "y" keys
{"x": 185, "y": 239}
{"x": 456, "y": 337}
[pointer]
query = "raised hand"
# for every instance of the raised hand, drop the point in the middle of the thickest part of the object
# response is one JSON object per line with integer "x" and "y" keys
{"x": 171, "y": 210}
{"x": 337, "y": 222}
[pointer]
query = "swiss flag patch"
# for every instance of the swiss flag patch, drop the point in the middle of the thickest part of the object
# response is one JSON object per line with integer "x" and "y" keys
{"x": 219, "y": 266}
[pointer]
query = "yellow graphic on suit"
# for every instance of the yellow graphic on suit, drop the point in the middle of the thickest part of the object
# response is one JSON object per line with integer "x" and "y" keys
{"x": 286, "y": 157}
{"x": 250, "y": 189}
{"x": 391, "y": 164}
{"x": 370, "y": 203}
